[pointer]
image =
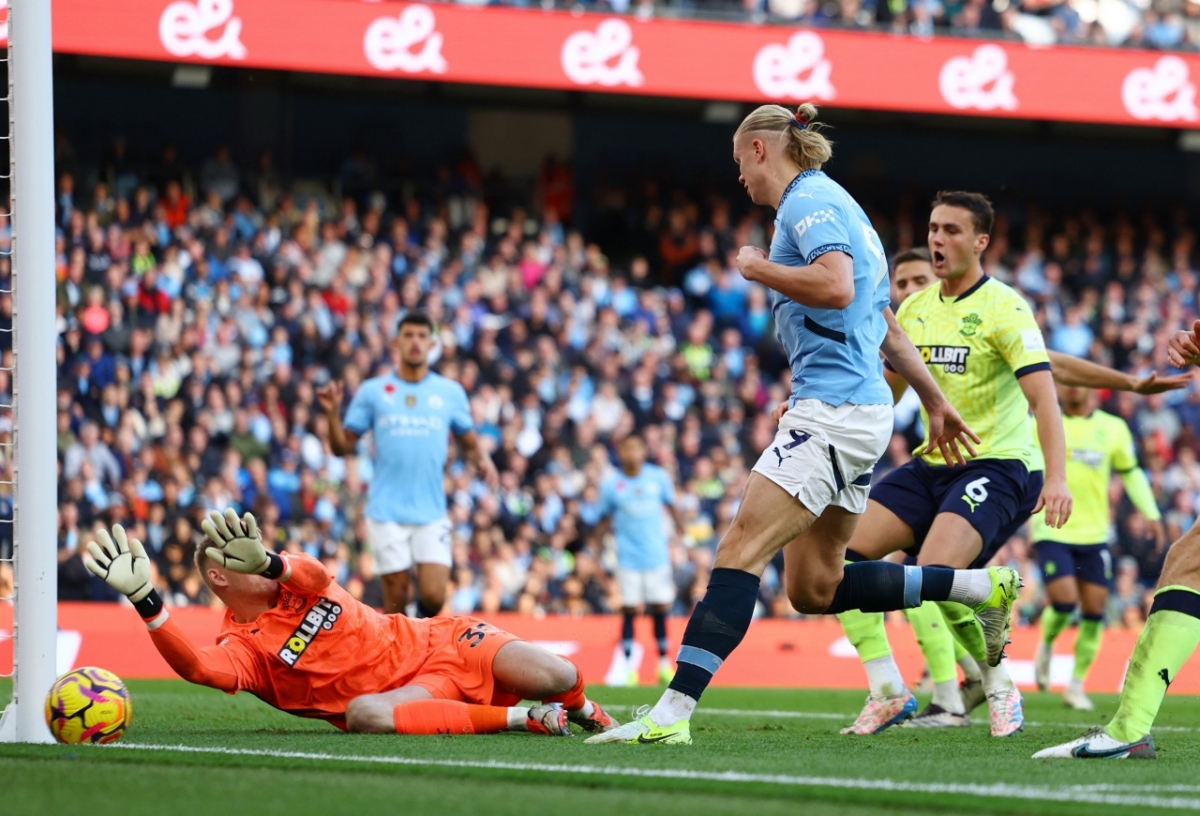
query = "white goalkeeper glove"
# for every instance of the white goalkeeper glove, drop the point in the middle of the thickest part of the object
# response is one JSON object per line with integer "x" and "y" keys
{"x": 237, "y": 544}
{"x": 122, "y": 563}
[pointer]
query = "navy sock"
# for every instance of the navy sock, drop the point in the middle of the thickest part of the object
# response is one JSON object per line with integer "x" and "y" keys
{"x": 627, "y": 634}
{"x": 716, "y": 627}
{"x": 880, "y": 586}
{"x": 660, "y": 632}
{"x": 1064, "y": 609}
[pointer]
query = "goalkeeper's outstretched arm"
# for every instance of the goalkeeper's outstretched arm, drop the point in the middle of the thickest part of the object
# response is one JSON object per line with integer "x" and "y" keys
{"x": 122, "y": 563}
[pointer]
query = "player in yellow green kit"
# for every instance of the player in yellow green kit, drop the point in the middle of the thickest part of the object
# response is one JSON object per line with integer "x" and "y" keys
{"x": 982, "y": 345}
{"x": 1171, "y": 634}
{"x": 912, "y": 271}
{"x": 1075, "y": 561}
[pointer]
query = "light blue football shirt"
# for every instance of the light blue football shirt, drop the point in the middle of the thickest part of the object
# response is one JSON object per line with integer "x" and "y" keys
{"x": 833, "y": 353}
{"x": 636, "y": 504}
{"x": 411, "y": 424}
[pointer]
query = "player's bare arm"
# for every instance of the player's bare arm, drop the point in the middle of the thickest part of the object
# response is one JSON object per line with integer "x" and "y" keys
{"x": 1070, "y": 370}
{"x": 476, "y": 455}
{"x": 341, "y": 440}
{"x": 947, "y": 431}
{"x": 826, "y": 283}
{"x": 1055, "y": 498}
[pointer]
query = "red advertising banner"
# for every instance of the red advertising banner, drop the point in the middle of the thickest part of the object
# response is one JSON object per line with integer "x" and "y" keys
{"x": 669, "y": 58}
{"x": 775, "y": 653}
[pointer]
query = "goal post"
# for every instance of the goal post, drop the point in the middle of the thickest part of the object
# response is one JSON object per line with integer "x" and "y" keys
{"x": 31, "y": 185}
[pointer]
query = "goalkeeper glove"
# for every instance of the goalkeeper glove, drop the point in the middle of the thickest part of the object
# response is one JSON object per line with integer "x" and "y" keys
{"x": 122, "y": 564}
{"x": 237, "y": 545}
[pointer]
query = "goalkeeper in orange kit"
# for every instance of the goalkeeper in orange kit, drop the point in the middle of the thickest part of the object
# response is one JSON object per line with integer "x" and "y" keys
{"x": 299, "y": 642}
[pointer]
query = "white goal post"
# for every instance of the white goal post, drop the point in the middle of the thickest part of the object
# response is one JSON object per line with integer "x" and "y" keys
{"x": 31, "y": 185}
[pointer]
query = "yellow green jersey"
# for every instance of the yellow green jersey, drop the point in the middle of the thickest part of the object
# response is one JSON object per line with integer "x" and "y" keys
{"x": 977, "y": 347}
{"x": 1097, "y": 445}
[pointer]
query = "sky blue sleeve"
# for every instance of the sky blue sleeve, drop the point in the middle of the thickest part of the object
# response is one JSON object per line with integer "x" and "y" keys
{"x": 818, "y": 225}
{"x": 607, "y": 505}
{"x": 460, "y": 417}
{"x": 360, "y": 416}
{"x": 668, "y": 487}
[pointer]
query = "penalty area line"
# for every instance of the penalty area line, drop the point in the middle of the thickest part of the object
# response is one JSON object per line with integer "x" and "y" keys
{"x": 1112, "y": 795}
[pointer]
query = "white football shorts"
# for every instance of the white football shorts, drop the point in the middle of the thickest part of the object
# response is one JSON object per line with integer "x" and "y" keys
{"x": 824, "y": 455}
{"x": 654, "y": 587}
{"x": 398, "y": 546}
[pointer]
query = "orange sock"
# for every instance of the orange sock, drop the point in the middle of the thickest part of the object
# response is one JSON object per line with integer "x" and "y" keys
{"x": 573, "y": 698}
{"x": 448, "y": 717}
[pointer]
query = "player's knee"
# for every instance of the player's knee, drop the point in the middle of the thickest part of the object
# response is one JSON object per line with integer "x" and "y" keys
{"x": 812, "y": 595}
{"x": 561, "y": 675}
{"x": 365, "y": 715}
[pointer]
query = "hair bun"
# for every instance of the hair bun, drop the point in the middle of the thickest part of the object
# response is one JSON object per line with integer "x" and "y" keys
{"x": 806, "y": 113}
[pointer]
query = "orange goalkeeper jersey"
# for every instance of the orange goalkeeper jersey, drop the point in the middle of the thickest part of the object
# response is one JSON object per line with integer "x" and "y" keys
{"x": 311, "y": 654}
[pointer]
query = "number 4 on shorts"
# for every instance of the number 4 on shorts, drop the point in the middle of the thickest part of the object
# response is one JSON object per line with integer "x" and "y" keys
{"x": 976, "y": 493}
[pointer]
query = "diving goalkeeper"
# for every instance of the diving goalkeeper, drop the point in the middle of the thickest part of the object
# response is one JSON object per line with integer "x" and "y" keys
{"x": 299, "y": 642}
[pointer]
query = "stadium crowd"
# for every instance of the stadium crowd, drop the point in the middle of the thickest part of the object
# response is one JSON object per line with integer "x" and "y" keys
{"x": 198, "y": 312}
{"x": 1159, "y": 24}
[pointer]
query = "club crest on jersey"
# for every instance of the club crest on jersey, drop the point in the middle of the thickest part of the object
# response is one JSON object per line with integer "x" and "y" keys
{"x": 970, "y": 324}
{"x": 410, "y": 401}
{"x": 323, "y": 615}
{"x": 953, "y": 359}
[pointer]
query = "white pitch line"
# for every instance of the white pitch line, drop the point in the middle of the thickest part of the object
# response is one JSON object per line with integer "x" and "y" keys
{"x": 826, "y": 715}
{"x": 1111, "y": 795}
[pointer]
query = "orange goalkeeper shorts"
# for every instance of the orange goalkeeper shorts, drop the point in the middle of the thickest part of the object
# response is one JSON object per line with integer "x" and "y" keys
{"x": 459, "y": 666}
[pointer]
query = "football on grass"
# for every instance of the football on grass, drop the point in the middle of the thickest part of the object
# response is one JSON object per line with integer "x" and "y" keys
{"x": 88, "y": 705}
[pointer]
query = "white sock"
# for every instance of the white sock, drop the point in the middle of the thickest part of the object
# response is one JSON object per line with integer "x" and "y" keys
{"x": 971, "y": 587}
{"x": 970, "y": 668}
{"x": 884, "y": 677}
{"x": 672, "y": 707}
{"x": 995, "y": 679}
{"x": 1076, "y": 685}
{"x": 947, "y": 696}
{"x": 518, "y": 718}
{"x": 582, "y": 713}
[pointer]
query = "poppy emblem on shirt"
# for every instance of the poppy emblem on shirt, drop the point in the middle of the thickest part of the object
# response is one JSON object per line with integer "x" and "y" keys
{"x": 389, "y": 389}
{"x": 410, "y": 401}
{"x": 620, "y": 485}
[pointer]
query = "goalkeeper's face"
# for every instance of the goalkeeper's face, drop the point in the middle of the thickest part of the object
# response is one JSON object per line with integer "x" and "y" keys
{"x": 235, "y": 587}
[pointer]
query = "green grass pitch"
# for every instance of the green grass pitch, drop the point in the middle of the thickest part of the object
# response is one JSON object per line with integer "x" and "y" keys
{"x": 756, "y": 751}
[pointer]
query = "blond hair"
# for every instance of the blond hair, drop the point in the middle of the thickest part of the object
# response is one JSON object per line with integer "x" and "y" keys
{"x": 804, "y": 142}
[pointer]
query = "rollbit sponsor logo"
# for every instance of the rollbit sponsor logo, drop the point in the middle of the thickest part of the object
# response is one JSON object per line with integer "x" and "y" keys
{"x": 797, "y": 70}
{"x": 205, "y": 29}
{"x": 408, "y": 43}
{"x": 605, "y": 57}
{"x": 981, "y": 81}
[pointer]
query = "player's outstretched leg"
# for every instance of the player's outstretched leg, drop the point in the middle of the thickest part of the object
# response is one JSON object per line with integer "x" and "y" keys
{"x": 412, "y": 710}
{"x": 946, "y": 708}
{"x": 888, "y": 701}
{"x": 1172, "y": 633}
